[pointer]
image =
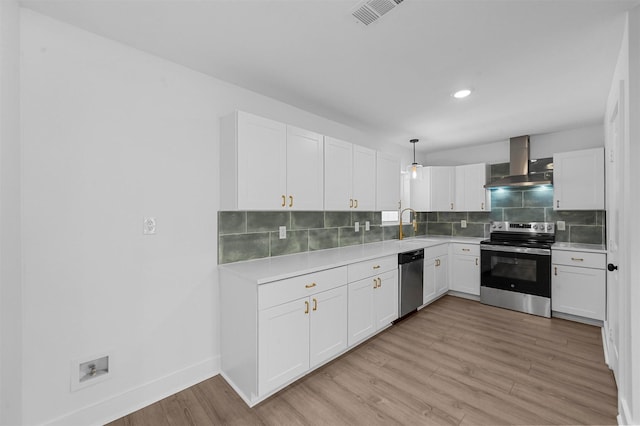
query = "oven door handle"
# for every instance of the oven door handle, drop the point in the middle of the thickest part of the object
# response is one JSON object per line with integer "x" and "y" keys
{"x": 514, "y": 249}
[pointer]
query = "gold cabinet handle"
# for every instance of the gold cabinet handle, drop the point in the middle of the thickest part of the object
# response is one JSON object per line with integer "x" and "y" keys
{"x": 577, "y": 259}
{"x": 350, "y": 203}
{"x": 376, "y": 267}
{"x": 379, "y": 282}
{"x": 437, "y": 262}
{"x": 315, "y": 304}
{"x": 355, "y": 204}
{"x": 557, "y": 204}
{"x": 290, "y": 200}
{"x": 375, "y": 283}
{"x": 481, "y": 206}
{"x": 310, "y": 285}
{"x": 476, "y": 261}
{"x": 465, "y": 249}
{"x": 306, "y": 304}
{"x": 555, "y": 270}
{"x": 451, "y": 206}
{"x": 284, "y": 201}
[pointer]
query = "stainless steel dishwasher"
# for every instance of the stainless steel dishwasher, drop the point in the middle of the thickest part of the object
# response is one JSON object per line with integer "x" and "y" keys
{"x": 411, "y": 272}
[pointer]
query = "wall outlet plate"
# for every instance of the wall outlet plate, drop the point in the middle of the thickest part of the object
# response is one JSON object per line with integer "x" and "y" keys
{"x": 560, "y": 225}
{"x": 463, "y": 223}
{"x": 149, "y": 226}
{"x": 356, "y": 226}
{"x": 283, "y": 232}
{"x": 367, "y": 225}
{"x": 90, "y": 370}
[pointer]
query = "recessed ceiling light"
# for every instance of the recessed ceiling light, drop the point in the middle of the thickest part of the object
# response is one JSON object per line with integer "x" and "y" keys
{"x": 462, "y": 93}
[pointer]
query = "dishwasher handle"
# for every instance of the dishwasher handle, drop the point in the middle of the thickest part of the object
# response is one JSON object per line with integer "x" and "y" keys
{"x": 410, "y": 256}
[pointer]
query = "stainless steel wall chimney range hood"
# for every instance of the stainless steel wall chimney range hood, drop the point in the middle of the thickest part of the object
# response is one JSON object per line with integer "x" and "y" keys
{"x": 519, "y": 175}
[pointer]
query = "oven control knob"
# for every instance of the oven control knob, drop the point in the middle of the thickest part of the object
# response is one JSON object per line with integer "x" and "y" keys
{"x": 549, "y": 227}
{"x": 500, "y": 226}
{"x": 493, "y": 226}
{"x": 535, "y": 226}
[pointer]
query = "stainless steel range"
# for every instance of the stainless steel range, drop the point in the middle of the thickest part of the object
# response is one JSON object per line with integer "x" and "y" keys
{"x": 515, "y": 266}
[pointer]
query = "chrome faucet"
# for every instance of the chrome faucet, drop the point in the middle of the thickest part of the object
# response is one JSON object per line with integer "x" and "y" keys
{"x": 415, "y": 224}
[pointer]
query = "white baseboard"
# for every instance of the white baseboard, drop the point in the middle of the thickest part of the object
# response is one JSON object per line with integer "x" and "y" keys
{"x": 624, "y": 414}
{"x": 134, "y": 399}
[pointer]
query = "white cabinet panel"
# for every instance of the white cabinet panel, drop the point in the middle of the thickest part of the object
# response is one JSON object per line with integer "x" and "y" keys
{"x": 465, "y": 269}
{"x": 328, "y": 325}
{"x": 338, "y": 163}
{"x": 364, "y": 178}
{"x": 305, "y": 169}
{"x": 387, "y": 182}
{"x": 433, "y": 189}
{"x": 579, "y": 291}
{"x": 386, "y": 299}
{"x": 578, "y": 180}
{"x": 470, "y": 193}
{"x": 436, "y": 272}
{"x": 283, "y": 344}
{"x": 362, "y": 321}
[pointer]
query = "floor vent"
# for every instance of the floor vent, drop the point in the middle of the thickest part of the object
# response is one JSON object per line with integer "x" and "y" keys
{"x": 369, "y": 11}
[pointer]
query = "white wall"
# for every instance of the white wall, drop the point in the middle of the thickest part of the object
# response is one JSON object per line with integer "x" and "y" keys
{"x": 542, "y": 145}
{"x": 10, "y": 242}
{"x": 110, "y": 135}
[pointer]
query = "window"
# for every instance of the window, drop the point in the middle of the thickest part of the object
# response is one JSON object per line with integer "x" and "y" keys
{"x": 390, "y": 217}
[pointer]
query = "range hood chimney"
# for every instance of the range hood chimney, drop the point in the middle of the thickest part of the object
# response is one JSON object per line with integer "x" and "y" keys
{"x": 519, "y": 175}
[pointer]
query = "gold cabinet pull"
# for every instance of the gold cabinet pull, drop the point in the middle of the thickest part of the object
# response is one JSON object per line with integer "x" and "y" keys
{"x": 376, "y": 267}
{"x": 555, "y": 270}
{"x": 577, "y": 259}
{"x": 315, "y": 304}
{"x": 379, "y": 282}
{"x": 481, "y": 206}
{"x": 355, "y": 204}
{"x": 465, "y": 249}
{"x": 476, "y": 261}
{"x": 290, "y": 200}
{"x": 310, "y": 285}
{"x": 350, "y": 203}
{"x": 375, "y": 283}
{"x": 437, "y": 262}
{"x": 557, "y": 204}
{"x": 284, "y": 201}
{"x": 451, "y": 206}
{"x": 306, "y": 304}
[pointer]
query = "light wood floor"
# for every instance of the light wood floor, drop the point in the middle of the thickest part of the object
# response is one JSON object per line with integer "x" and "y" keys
{"x": 455, "y": 362}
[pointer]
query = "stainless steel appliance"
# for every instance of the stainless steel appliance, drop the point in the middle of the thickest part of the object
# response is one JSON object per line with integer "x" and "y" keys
{"x": 411, "y": 273}
{"x": 515, "y": 265}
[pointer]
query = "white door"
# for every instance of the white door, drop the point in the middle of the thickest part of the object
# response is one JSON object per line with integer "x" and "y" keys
{"x": 283, "y": 344}
{"x": 361, "y": 314}
{"x": 442, "y": 188}
{"x": 475, "y": 195}
{"x": 387, "y": 182}
{"x": 442, "y": 274}
{"x": 305, "y": 169}
{"x": 578, "y": 180}
{"x": 578, "y": 291}
{"x": 386, "y": 299}
{"x": 328, "y": 325}
{"x": 364, "y": 178}
{"x": 465, "y": 274}
{"x": 429, "y": 281}
{"x": 614, "y": 172}
{"x": 262, "y": 163}
{"x": 338, "y": 164}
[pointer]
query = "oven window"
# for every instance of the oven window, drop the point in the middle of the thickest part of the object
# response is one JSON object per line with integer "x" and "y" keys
{"x": 514, "y": 268}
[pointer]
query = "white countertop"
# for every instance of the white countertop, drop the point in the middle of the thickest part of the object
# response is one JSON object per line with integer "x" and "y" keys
{"x": 280, "y": 267}
{"x": 590, "y": 248}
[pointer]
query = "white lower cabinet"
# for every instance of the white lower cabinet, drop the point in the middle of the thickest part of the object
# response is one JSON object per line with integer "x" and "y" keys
{"x": 373, "y": 301}
{"x": 578, "y": 285}
{"x": 436, "y": 277}
{"x": 328, "y": 325}
{"x": 465, "y": 268}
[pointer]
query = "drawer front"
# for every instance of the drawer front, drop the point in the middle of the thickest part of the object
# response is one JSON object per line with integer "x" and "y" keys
{"x": 436, "y": 251}
{"x": 282, "y": 291}
{"x": 577, "y": 258}
{"x": 466, "y": 249}
{"x": 369, "y": 268}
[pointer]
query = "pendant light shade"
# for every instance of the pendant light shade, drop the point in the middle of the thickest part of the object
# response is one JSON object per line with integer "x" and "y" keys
{"x": 413, "y": 168}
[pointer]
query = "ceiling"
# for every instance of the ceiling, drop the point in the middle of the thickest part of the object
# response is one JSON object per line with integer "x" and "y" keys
{"x": 534, "y": 66}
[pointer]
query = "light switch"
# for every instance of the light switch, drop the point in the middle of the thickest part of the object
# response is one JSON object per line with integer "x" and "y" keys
{"x": 283, "y": 232}
{"x": 367, "y": 225}
{"x": 560, "y": 225}
{"x": 463, "y": 223}
{"x": 356, "y": 226}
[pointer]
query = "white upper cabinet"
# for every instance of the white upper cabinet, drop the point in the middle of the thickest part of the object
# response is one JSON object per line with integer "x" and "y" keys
{"x": 349, "y": 176}
{"x": 578, "y": 180}
{"x": 471, "y": 196}
{"x": 433, "y": 189}
{"x": 268, "y": 165}
{"x": 387, "y": 182}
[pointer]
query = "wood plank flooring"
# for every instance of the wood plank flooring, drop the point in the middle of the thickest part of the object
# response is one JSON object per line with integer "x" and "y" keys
{"x": 456, "y": 362}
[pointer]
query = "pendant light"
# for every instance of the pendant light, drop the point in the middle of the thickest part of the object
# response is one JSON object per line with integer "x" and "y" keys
{"x": 413, "y": 168}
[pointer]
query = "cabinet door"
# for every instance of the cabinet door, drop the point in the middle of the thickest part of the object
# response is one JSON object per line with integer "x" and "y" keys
{"x": 465, "y": 274}
{"x": 578, "y": 180}
{"x": 387, "y": 182}
{"x": 578, "y": 291}
{"x": 420, "y": 190}
{"x": 470, "y": 194}
{"x": 442, "y": 188}
{"x": 361, "y": 315}
{"x": 386, "y": 299}
{"x": 338, "y": 164}
{"x": 364, "y": 178}
{"x": 429, "y": 281}
{"x": 283, "y": 344}
{"x": 262, "y": 167}
{"x": 305, "y": 169}
{"x": 442, "y": 274}
{"x": 328, "y": 324}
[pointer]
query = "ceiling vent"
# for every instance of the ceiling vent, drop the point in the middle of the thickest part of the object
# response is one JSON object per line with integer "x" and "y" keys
{"x": 368, "y": 11}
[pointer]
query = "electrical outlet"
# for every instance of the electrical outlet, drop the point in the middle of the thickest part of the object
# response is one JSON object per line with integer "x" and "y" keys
{"x": 367, "y": 225}
{"x": 356, "y": 226}
{"x": 149, "y": 226}
{"x": 463, "y": 223}
{"x": 560, "y": 225}
{"x": 90, "y": 370}
{"x": 283, "y": 232}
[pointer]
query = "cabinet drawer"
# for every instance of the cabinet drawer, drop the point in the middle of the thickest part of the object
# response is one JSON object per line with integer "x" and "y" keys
{"x": 282, "y": 291}
{"x": 577, "y": 258}
{"x": 436, "y": 251}
{"x": 466, "y": 249}
{"x": 369, "y": 268}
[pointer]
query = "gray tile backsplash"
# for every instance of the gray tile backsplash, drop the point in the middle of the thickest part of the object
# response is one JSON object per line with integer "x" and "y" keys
{"x": 245, "y": 235}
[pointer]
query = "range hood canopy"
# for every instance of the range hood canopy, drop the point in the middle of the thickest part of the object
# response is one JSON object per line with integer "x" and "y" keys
{"x": 519, "y": 175}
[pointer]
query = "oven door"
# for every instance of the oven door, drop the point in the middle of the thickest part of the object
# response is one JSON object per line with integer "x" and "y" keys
{"x": 519, "y": 269}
